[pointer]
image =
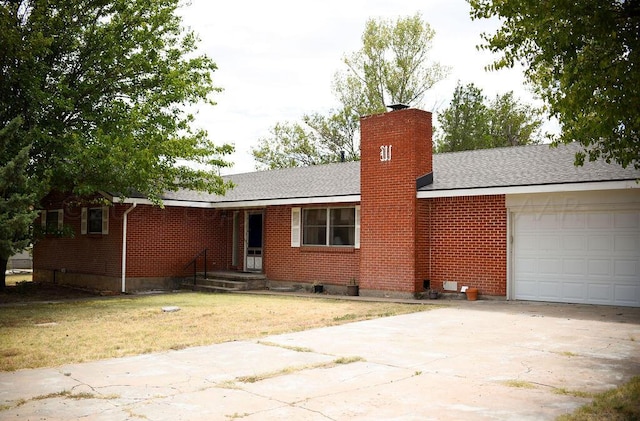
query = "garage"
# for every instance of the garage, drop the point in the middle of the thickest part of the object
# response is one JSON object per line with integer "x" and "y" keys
{"x": 576, "y": 249}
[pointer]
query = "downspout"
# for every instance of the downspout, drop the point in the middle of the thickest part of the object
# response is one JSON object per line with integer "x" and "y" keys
{"x": 124, "y": 246}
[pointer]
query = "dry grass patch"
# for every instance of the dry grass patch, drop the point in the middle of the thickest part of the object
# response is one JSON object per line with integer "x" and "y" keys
{"x": 619, "y": 404}
{"x": 47, "y": 335}
{"x": 520, "y": 384}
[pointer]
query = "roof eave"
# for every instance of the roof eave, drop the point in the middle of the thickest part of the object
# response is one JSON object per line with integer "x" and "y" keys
{"x": 252, "y": 203}
{"x": 534, "y": 188}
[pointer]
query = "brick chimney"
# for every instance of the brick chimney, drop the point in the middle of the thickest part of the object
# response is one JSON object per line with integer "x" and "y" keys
{"x": 396, "y": 157}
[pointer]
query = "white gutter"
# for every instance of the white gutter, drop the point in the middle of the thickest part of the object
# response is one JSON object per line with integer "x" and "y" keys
{"x": 252, "y": 203}
{"x": 539, "y": 188}
{"x": 124, "y": 245}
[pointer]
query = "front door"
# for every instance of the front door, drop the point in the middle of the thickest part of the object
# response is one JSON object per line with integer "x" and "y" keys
{"x": 253, "y": 237}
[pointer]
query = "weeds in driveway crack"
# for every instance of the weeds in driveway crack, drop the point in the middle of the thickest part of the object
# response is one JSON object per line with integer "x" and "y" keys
{"x": 294, "y": 369}
{"x": 291, "y": 348}
{"x": 64, "y": 394}
{"x": 348, "y": 360}
{"x": 566, "y": 353}
{"x": 134, "y": 415}
{"x": 574, "y": 393}
{"x": 519, "y": 384}
{"x": 235, "y": 415}
{"x": 523, "y": 384}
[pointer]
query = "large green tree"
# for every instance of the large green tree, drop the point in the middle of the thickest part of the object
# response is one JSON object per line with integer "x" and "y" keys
{"x": 471, "y": 121}
{"x": 96, "y": 93}
{"x": 583, "y": 59}
{"x": 392, "y": 67}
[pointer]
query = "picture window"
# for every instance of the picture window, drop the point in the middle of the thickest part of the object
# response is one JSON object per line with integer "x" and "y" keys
{"x": 329, "y": 227}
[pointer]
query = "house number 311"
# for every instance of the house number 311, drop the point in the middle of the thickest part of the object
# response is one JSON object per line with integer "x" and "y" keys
{"x": 385, "y": 153}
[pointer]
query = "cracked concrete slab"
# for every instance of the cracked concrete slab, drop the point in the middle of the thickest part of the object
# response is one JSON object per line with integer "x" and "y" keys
{"x": 473, "y": 361}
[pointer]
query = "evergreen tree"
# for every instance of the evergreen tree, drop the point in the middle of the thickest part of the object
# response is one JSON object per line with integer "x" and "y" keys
{"x": 17, "y": 197}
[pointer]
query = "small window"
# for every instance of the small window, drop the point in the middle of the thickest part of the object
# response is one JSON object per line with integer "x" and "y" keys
{"x": 52, "y": 220}
{"x": 95, "y": 221}
{"x": 329, "y": 227}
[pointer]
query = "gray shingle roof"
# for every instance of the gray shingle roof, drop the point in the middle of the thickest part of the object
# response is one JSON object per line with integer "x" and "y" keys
{"x": 500, "y": 167}
{"x": 339, "y": 179}
{"x": 520, "y": 166}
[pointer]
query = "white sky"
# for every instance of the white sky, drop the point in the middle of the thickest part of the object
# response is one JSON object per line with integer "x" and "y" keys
{"x": 276, "y": 59}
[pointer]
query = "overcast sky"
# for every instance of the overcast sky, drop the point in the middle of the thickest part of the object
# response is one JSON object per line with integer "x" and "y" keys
{"x": 276, "y": 59}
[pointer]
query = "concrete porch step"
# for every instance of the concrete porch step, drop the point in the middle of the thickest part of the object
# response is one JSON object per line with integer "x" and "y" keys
{"x": 212, "y": 288}
{"x": 226, "y": 284}
{"x": 234, "y": 276}
{"x": 223, "y": 283}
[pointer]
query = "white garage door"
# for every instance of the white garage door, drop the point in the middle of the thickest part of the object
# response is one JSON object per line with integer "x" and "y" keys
{"x": 577, "y": 257}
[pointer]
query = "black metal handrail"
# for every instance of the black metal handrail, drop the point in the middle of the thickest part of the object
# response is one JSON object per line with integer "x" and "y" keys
{"x": 194, "y": 262}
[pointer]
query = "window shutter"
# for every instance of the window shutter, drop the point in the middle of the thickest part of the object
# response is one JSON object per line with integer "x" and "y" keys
{"x": 83, "y": 221}
{"x": 43, "y": 219}
{"x": 105, "y": 220}
{"x": 295, "y": 227}
{"x": 60, "y": 218}
{"x": 357, "y": 228}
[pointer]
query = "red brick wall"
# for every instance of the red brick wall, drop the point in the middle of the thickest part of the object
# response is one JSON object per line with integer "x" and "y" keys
{"x": 329, "y": 265}
{"x": 91, "y": 253}
{"x": 422, "y": 244}
{"x": 468, "y": 239}
{"x": 160, "y": 242}
{"x": 389, "y": 215}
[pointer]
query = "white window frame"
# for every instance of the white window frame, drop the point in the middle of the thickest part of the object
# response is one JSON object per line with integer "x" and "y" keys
{"x": 297, "y": 227}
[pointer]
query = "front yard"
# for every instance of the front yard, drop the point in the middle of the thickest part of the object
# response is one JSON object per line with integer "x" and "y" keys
{"x": 48, "y": 334}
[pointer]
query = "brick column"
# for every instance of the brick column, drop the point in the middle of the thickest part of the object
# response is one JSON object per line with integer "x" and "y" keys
{"x": 396, "y": 150}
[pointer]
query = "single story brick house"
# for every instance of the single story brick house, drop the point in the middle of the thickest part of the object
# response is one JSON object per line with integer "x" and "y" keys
{"x": 518, "y": 223}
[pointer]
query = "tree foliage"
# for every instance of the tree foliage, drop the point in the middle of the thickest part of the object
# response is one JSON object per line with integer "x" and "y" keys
{"x": 471, "y": 121}
{"x": 101, "y": 88}
{"x": 583, "y": 59}
{"x": 391, "y": 67}
{"x": 464, "y": 125}
{"x": 513, "y": 123}
{"x": 318, "y": 139}
{"x": 95, "y": 92}
{"x": 17, "y": 196}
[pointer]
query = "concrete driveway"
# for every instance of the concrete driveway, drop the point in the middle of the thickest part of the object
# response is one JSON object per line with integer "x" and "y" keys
{"x": 468, "y": 360}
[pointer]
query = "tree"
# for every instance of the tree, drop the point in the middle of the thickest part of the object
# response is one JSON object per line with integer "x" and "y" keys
{"x": 96, "y": 91}
{"x": 471, "y": 122}
{"x": 289, "y": 146}
{"x": 512, "y": 123}
{"x": 16, "y": 197}
{"x": 583, "y": 59}
{"x": 464, "y": 125}
{"x": 391, "y": 67}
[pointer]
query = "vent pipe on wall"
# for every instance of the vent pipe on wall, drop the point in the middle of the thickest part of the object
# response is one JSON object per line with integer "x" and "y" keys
{"x": 124, "y": 246}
